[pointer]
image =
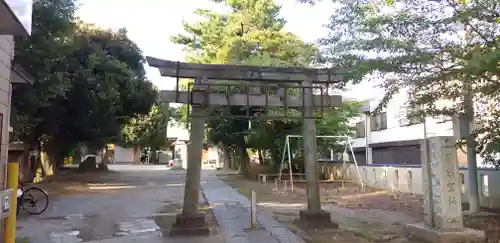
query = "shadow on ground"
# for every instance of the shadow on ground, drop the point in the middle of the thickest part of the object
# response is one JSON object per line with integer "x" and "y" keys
{"x": 363, "y": 215}
{"x": 132, "y": 205}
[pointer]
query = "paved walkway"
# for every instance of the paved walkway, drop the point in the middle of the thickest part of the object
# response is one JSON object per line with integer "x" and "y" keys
{"x": 232, "y": 211}
{"x": 137, "y": 213}
{"x": 133, "y": 214}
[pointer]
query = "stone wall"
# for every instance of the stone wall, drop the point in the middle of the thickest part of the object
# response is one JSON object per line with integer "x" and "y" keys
{"x": 408, "y": 179}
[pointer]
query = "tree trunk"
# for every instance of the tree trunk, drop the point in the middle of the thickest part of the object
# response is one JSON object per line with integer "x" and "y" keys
{"x": 226, "y": 157}
{"x": 56, "y": 161}
{"x": 104, "y": 159}
{"x": 260, "y": 152}
{"x": 77, "y": 155}
{"x": 154, "y": 156}
{"x": 276, "y": 159}
{"x": 25, "y": 165}
{"x": 246, "y": 167}
{"x": 137, "y": 154}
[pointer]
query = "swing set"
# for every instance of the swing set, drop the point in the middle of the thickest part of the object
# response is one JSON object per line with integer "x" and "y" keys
{"x": 335, "y": 159}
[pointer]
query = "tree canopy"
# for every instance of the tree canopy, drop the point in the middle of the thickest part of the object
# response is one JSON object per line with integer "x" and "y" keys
{"x": 437, "y": 51}
{"x": 252, "y": 32}
{"x": 89, "y": 82}
{"x": 148, "y": 130}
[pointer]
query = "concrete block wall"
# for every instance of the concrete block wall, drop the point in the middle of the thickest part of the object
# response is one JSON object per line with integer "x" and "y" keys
{"x": 408, "y": 179}
{"x": 6, "y": 56}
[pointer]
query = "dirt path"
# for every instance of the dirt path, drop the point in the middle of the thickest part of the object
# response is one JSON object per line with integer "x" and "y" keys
{"x": 369, "y": 216}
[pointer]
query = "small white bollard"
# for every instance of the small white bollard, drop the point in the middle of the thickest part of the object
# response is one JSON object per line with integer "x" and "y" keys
{"x": 253, "y": 209}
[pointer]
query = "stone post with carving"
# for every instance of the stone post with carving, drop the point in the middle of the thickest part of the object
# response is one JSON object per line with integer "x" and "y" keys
{"x": 445, "y": 222}
{"x": 446, "y": 199}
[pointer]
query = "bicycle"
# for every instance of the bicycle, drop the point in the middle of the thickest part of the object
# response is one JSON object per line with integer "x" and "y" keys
{"x": 29, "y": 202}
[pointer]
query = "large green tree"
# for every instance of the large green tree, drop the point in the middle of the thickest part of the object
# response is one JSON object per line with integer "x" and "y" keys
{"x": 251, "y": 33}
{"x": 437, "y": 51}
{"x": 149, "y": 130}
{"x": 445, "y": 54}
{"x": 88, "y": 82}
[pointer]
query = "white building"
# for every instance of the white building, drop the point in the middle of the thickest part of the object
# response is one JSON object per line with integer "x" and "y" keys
{"x": 394, "y": 148}
{"x": 391, "y": 137}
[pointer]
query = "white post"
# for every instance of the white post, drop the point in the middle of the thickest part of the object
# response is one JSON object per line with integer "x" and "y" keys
{"x": 253, "y": 209}
{"x": 283, "y": 157}
{"x": 290, "y": 163}
{"x": 368, "y": 134}
{"x": 356, "y": 163}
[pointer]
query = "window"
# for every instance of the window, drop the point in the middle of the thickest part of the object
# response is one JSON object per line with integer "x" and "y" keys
{"x": 379, "y": 122}
{"x": 360, "y": 129}
{"x": 406, "y": 118}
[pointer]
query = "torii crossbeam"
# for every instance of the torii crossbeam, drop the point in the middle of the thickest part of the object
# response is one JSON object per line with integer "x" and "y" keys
{"x": 245, "y": 72}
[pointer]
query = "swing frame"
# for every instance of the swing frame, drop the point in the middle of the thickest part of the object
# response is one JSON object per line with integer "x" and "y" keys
{"x": 287, "y": 153}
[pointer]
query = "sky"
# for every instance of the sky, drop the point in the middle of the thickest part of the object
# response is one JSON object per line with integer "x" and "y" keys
{"x": 150, "y": 23}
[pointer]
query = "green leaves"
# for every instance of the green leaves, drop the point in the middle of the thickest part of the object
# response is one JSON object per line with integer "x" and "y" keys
{"x": 90, "y": 81}
{"x": 148, "y": 130}
{"x": 252, "y": 34}
{"x": 416, "y": 46}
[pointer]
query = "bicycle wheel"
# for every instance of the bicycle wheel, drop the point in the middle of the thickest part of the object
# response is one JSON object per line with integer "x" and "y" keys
{"x": 35, "y": 200}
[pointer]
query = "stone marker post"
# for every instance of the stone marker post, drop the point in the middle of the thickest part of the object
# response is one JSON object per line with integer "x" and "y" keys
{"x": 444, "y": 223}
{"x": 313, "y": 214}
{"x": 191, "y": 220}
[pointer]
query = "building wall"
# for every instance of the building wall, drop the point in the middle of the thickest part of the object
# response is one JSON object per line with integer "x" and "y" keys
{"x": 395, "y": 131}
{"x": 6, "y": 56}
{"x": 124, "y": 155}
{"x": 398, "y": 143}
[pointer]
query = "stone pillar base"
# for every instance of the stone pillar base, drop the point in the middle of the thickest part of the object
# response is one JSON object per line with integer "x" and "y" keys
{"x": 422, "y": 232}
{"x": 317, "y": 219}
{"x": 190, "y": 225}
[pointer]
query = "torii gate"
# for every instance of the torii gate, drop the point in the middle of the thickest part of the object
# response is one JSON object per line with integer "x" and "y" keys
{"x": 202, "y": 97}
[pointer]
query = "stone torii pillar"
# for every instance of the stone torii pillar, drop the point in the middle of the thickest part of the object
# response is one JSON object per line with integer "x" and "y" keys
{"x": 313, "y": 215}
{"x": 191, "y": 221}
